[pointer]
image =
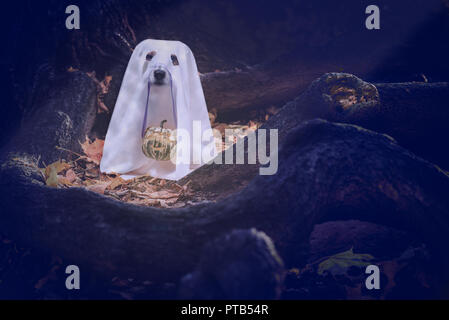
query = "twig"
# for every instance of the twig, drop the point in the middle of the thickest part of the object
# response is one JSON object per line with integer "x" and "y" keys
{"x": 80, "y": 157}
{"x": 67, "y": 150}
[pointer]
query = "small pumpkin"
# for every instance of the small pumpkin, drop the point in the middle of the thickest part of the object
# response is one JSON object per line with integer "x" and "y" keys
{"x": 159, "y": 143}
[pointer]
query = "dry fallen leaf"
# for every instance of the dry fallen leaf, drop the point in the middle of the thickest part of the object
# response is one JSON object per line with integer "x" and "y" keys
{"x": 92, "y": 171}
{"x": 64, "y": 181}
{"x": 98, "y": 188}
{"x": 163, "y": 194}
{"x": 116, "y": 182}
{"x": 51, "y": 177}
{"x": 58, "y": 166}
{"x": 52, "y": 170}
{"x": 93, "y": 150}
{"x": 70, "y": 175}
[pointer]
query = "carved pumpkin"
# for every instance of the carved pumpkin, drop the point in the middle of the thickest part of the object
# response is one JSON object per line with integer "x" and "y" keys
{"x": 159, "y": 143}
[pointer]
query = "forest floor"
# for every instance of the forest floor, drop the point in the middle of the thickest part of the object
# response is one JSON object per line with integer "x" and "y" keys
{"x": 83, "y": 170}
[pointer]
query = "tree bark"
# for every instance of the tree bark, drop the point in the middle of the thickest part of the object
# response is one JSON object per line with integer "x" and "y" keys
{"x": 327, "y": 172}
{"x": 415, "y": 114}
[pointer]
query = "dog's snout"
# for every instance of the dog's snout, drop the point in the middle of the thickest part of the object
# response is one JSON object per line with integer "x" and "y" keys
{"x": 159, "y": 74}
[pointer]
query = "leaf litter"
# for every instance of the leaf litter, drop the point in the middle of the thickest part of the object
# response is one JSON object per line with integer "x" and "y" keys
{"x": 83, "y": 171}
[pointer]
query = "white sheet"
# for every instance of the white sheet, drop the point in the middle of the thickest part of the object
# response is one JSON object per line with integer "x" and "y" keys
{"x": 180, "y": 101}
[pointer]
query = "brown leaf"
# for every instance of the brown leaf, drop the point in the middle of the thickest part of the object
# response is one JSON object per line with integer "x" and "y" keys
{"x": 52, "y": 170}
{"x": 89, "y": 182}
{"x": 93, "y": 150}
{"x": 168, "y": 203}
{"x": 98, "y": 188}
{"x": 152, "y": 180}
{"x": 116, "y": 182}
{"x": 70, "y": 175}
{"x": 180, "y": 188}
{"x": 92, "y": 172}
{"x": 52, "y": 179}
{"x": 57, "y": 166}
{"x": 163, "y": 194}
{"x": 64, "y": 181}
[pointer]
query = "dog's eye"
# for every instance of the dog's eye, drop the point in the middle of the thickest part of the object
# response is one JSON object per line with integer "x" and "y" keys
{"x": 150, "y": 55}
{"x": 174, "y": 59}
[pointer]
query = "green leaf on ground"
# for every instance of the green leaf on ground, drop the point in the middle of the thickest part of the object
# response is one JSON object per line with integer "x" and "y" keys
{"x": 339, "y": 263}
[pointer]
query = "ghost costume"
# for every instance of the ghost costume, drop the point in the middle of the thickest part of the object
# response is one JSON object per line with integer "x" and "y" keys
{"x": 161, "y": 83}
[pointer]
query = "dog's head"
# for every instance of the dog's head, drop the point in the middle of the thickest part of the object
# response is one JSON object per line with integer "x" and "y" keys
{"x": 160, "y": 74}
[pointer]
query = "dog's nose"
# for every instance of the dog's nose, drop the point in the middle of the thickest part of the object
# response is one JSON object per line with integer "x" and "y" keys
{"x": 159, "y": 74}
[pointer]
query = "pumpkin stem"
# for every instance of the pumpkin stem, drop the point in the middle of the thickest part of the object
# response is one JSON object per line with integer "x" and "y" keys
{"x": 162, "y": 123}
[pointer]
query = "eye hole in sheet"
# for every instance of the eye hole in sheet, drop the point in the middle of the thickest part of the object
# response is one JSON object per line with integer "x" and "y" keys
{"x": 150, "y": 55}
{"x": 174, "y": 60}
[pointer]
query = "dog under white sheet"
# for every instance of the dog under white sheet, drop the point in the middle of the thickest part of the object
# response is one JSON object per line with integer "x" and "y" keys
{"x": 161, "y": 82}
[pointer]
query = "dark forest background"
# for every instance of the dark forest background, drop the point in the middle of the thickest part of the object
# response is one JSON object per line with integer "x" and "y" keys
{"x": 296, "y": 36}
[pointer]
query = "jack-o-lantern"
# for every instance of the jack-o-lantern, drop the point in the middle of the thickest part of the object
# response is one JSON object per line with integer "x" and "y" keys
{"x": 159, "y": 143}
